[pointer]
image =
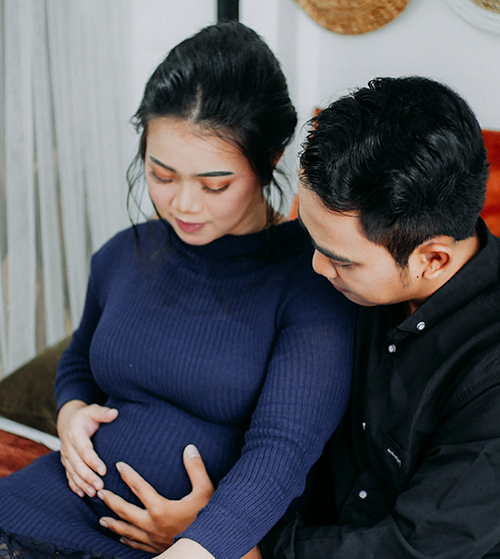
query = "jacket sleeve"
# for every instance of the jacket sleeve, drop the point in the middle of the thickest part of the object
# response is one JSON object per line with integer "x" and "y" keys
{"x": 304, "y": 396}
{"x": 448, "y": 510}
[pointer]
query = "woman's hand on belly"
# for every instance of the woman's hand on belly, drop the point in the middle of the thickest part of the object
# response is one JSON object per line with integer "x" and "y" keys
{"x": 76, "y": 424}
{"x": 153, "y": 529}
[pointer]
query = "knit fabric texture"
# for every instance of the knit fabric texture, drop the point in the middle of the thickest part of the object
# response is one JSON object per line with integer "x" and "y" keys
{"x": 237, "y": 347}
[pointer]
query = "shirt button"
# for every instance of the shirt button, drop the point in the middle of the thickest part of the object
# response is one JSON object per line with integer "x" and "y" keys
{"x": 421, "y": 326}
{"x": 362, "y": 494}
{"x": 391, "y": 348}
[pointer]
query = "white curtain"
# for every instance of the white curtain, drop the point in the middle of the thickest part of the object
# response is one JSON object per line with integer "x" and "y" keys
{"x": 64, "y": 149}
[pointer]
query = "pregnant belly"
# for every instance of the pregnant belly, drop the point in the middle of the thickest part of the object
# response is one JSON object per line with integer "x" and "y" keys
{"x": 151, "y": 439}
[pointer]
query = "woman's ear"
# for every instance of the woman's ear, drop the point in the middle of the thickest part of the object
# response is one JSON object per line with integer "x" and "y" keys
{"x": 276, "y": 159}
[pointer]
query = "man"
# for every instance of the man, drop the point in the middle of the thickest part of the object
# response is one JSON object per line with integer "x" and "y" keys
{"x": 392, "y": 185}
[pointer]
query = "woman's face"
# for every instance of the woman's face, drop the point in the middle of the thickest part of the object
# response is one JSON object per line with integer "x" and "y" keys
{"x": 202, "y": 185}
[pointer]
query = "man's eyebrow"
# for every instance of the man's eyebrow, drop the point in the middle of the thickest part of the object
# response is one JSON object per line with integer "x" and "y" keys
{"x": 331, "y": 255}
{"x": 207, "y": 174}
{"x": 324, "y": 251}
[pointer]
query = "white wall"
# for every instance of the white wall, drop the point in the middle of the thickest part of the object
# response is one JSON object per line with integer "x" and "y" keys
{"x": 428, "y": 38}
{"x": 156, "y": 27}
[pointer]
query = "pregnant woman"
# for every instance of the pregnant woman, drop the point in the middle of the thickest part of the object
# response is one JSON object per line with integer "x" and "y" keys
{"x": 206, "y": 327}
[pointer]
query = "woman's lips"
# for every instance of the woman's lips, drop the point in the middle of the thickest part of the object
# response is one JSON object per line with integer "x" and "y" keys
{"x": 189, "y": 227}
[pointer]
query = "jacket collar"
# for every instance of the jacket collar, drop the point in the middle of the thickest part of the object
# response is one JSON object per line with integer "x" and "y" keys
{"x": 474, "y": 277}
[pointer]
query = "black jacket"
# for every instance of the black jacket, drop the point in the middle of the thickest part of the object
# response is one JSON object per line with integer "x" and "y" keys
{"x": 414, "y": 469}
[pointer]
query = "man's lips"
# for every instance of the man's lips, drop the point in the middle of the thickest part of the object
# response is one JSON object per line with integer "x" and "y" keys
{"x": 341, "y": 289}
{"x": 188, "y": 227}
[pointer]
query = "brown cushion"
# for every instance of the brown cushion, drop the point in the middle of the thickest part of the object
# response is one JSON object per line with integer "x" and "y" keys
{"x": 27, "y": 395}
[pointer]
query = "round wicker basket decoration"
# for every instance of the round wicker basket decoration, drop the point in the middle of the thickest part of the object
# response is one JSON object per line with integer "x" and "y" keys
{"x": 491, "y": 5}
{"x": 352, "y": 17}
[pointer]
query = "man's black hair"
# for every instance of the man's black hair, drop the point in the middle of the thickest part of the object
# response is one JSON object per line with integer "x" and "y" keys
{"x": 407, "y": 154}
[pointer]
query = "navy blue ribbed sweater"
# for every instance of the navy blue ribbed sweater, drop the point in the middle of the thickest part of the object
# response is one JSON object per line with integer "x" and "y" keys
{"x": 237, "y": 347}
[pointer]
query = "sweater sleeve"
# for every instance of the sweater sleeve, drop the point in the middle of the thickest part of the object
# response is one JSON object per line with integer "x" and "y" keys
{"x": 74, "y": 379}
{"x": 304, "y": 396}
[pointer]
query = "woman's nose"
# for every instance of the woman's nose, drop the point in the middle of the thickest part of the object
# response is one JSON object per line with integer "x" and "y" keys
{"x": 187, "y": 199}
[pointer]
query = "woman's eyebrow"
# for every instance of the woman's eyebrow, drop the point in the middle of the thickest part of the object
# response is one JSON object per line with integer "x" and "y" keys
{"x": 154, "y": 160}
{"x": 215, "y": 174}
{"x": 207, "y": 174}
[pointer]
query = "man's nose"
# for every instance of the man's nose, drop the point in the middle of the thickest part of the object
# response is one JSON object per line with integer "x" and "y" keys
{"x": 321, "y": 265}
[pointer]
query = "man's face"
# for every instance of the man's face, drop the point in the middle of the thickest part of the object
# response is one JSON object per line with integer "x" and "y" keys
{"x": 363, "y": 271}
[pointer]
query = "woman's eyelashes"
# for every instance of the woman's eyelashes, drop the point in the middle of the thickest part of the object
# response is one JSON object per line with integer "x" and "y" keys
{"x": 215, "y": 190}
{"x": 206, "y": 188}
{"x": 158, "y": 179}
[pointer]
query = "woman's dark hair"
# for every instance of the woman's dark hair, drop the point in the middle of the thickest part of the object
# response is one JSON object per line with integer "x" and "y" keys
{"x": 226, "y": 80}
{"x": 407, "y": 154}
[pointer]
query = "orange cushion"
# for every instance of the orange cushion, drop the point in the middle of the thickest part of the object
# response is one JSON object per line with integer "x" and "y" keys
{"x": 491, "y": 210}
{"x": 294, "y": 212}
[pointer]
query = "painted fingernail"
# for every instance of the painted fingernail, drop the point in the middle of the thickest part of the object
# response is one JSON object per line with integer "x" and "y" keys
{"x": 90, "y": 491}
{"x": 191, "y": 451}
{"x": 102, "y": 522}
{"x": 100, "y": 495}
{"x": 81, "y": 493}
{"x": 123, "y": 540}
{"x": 97, "y": 485}
{"x": 119, "y": 466}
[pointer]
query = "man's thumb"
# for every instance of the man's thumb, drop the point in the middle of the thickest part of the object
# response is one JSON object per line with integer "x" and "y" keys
{"x": 196, "y": 471}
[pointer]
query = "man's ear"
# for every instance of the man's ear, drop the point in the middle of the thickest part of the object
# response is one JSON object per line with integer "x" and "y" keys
{"x": 436, "y": 256}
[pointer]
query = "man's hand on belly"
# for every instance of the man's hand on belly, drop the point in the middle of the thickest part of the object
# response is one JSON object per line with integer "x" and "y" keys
{"x": 153, "y": 528}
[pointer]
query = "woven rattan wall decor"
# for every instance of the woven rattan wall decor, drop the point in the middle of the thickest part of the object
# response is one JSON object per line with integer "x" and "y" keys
{"x": 491, "y": 5}
{"x": 352, "y": 17}
{"x": 484, "y": 14}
